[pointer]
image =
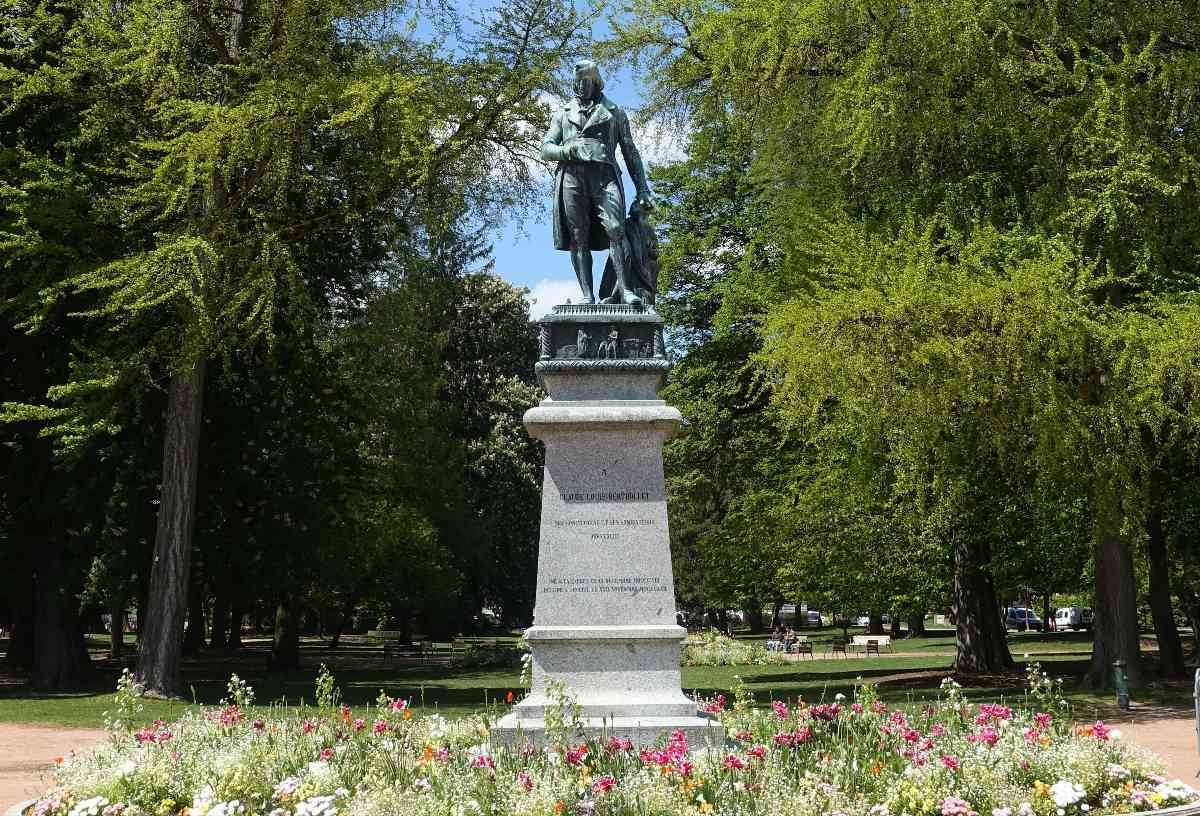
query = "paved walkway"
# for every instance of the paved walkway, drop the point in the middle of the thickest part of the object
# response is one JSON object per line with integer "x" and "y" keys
{"x": 1168, "y": 732}
{"x": 27, "y": 753}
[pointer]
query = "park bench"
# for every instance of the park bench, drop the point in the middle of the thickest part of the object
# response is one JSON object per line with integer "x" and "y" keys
{"x": 803, "y": 647}
{"x": 864, "y": 642}
{"x": 838, "y": 646}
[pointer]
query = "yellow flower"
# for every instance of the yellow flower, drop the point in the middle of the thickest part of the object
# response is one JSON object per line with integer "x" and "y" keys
{"x": 705, "y": 807}
{"x": 1041, "y": 787}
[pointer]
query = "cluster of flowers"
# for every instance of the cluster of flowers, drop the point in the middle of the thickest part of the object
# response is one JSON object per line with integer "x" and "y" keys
{"x": 857, "y": 757}
{"x": 711, "y": 648}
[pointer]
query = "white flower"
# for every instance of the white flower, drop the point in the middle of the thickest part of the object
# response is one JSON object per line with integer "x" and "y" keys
{"x": 317, "y": 806}
{"x": 89, "y": 807}
{"x": 1175, "y": 790}
{"x": 202, "y": 800}
{"x": 1002, "y": 811}
{"x": 280, "y": 812}
{"x": 839, "y": 697}
{"x": 1117, "y": 772}
{"x": 318, "y": 769}
{"x": 231, "y": 808}
{"x": 127, "y": 768}
{"x": 287, "y": 787}
{"x": 1025, "y": 809}
{"x": 1066, "y": 793}
{"x": 423, "y": 785}
{"x": 880, "y": 810}
{"x": 1114, "y": 733}
{"x": 437, "y": 725}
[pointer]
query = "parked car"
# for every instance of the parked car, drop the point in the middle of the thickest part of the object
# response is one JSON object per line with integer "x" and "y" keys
{"x": 1073, "y": 617}
{"x": 814, "y": 618}
{"x": 862, "y": 620}
{"x": 1020, "y": 618}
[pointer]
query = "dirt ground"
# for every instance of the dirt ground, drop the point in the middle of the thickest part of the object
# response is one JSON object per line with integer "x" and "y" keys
{"x": 28, "y": 752}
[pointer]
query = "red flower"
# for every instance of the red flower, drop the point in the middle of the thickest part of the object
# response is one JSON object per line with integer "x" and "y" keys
{"x": 757, "y": 751}
{"x": 604, "y": 783}
{"x": 734, "y": 762}
{"x": 508, "y": 698}
{"x": 326, "y": 754}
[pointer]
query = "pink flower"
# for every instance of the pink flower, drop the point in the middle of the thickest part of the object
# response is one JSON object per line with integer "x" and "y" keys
{"x": 380, "y": 727}
{"x": 950, "y": 763}
{"x": 911, "y": 735}
{"x": 716, "y": 705}
{"x": 307, "y": 727}
{"x": 574, "y": 756}
{"x": 856, "y": 708}
{"x": 525, "y": 780}
{"x": 442, "y": 754}
{"x": 987, "y": 735}
{"x": 484, "y": 761}
{"x": 359, "y": 724}
{"x": 604, "y": 783}
{"x": 618, "y": 744}
{"x": 995, "y": 711}
{"x": 937, "y": 729}
{"x": 878, "y": 706}
{"x": 528, "y": 749}
{"x": 826, "y": 712}
{"x": 326, "y": 754}
{"x": 743, "y": 736}
{"x": 258, "y": 725}
{"x": 1032, "y": 735}
{"x": 684, "y": 768}
{"x": 899, "y": 718}
{"x": 780, "y": 708}
{"x": 1100, "y": 731}
{"x": 146, "y": 735}
{"x": 734, "y": 762}
{"x": 1043, "y": 719}
{"x": 399, "y": 705}
{"x": 953, "y": 806}
{"x": 757, "y": 751}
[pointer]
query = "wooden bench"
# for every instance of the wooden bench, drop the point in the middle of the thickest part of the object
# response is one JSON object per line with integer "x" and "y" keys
{"x": 838, "y": 646}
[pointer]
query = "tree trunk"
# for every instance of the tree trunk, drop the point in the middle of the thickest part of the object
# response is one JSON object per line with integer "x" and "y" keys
{"x": 219, "y": 636}
{"x": 235, "y": 625}
{"x": 1170, "y": 649}
{"x": 193, "y": 639}
{"x": 1047, "y": 612}
{"x": 754, "y": 616}
{"x": 19, "y": 657}
{"x": 1115, "y": 631}
{"x": 777, "y": 615}
{"x": 116, "y": 625}
{"x": 285, "y": 650}
{"x": 161, "y": 636}
{"x": 895, "y": 624}
{"x": 981, "y": 644}
{"x": 916, "y": 625}
{"x": 874, "y": 622}
{"x": 60, "y": 657}
{"x": 345, "y": 613}
{"x": 1191, "y": 608}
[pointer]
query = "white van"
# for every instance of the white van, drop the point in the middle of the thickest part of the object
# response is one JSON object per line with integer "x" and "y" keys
{"x": 1073, "y": 617}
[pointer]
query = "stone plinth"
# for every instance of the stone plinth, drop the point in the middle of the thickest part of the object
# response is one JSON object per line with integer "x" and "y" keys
{"x": 604, "y": 622}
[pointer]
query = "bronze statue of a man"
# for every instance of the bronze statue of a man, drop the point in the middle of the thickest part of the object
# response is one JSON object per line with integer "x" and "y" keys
{"x": 589, "y": 200}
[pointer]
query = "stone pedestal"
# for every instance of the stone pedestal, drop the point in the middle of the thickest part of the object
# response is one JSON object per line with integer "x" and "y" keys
{"x": 604, "y": 622}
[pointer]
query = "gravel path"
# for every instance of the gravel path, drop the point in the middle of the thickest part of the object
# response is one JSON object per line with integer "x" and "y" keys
{"x": 27, "y": 753}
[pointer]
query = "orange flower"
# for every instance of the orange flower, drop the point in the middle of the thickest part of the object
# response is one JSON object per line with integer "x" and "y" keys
{"x": 876, "y": 768}
{"x": 58, "y": 760}
{"x": 508, "y": 698}
{"x": 428, "y": 755}
{"x": 558, "y": 806}
{"x": 408, "y": 713}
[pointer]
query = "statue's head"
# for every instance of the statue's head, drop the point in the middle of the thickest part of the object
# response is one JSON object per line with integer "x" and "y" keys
{"x": 588, "y": 82}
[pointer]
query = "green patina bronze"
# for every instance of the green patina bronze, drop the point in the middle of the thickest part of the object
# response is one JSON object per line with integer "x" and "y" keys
{"x": 589, "y": 201}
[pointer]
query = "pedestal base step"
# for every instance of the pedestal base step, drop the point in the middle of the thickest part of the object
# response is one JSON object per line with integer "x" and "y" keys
{"x": 702, "y": 732}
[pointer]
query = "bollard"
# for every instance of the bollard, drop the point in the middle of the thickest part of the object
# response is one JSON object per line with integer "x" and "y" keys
{"x": 1121, "y": 684}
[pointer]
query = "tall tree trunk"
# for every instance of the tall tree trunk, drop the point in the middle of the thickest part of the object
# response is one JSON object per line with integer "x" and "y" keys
{"x": 219, "y": 636}
{"x": 1115, "y": 631}
{"x": 193, "y": 639}
{"x": 981, "y": 644}
{"x": 235, "y": 625}
{"x": 19, "y": 657}
{"x": 60, "y": 657}
{"x": 285, "y": 650}
{"x": 874, "y": 622}
{"x": 777, "y": 615}
{"x": 1191, "y": 608}
{"x": 116, "y": 624}
{"x": 1047, "y": 612}
{"x": 1170, "y": 649}
{"x": 161, "y": 636}
{"x": 916, "y": 625}
{"x": 346, "y": 611}
{"x": 754, "y": 616}
{"x": 895, "y": 626}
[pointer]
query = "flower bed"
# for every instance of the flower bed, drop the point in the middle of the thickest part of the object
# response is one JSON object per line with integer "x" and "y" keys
{"x": 858, "y": 756}
{"x": 711, "y": 648}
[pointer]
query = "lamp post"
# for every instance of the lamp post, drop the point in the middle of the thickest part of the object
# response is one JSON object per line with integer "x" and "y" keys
{"x": 1121, "y": 683}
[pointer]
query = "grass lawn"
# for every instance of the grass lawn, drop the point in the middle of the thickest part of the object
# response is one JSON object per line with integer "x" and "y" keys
{"x": 454, "y": 692}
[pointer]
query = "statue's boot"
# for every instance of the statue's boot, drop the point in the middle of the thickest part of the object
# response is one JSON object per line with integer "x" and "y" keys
{"x": 621, "y": 292}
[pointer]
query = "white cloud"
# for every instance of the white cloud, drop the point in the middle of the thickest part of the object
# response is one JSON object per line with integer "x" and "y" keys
{"x": 549, "y": 292}
{"x": 659, "y": 142}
